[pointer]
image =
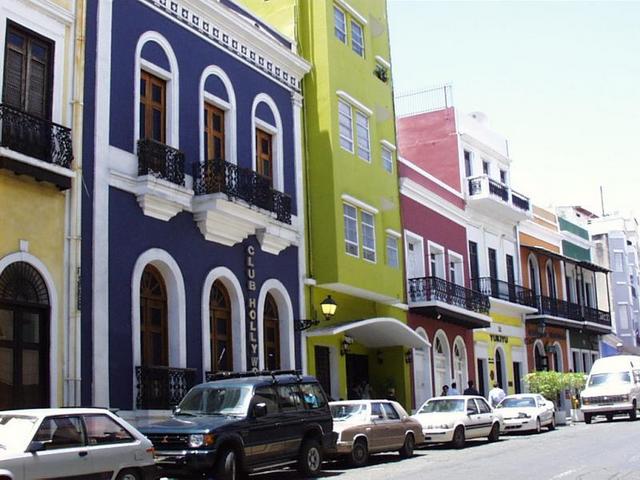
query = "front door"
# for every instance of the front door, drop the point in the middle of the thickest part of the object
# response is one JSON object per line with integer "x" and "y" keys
{"x": 358, "y": 376}
{"x": 420, "y": 372}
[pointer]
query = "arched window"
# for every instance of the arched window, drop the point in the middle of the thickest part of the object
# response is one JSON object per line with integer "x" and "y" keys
{"x": 267, "y": 141}
{"x": 271, "y": 334}
{"x": 534, "y": 282}
{"x": 540, "y": 357}
{"x": 218, "y": 116}
{"x": 221, "y": 333}
{"x": 24, "y": 338}
{"x": 153, "y": 318}
{"x": 460, "y": 364}
{"x": 551, "y": 280}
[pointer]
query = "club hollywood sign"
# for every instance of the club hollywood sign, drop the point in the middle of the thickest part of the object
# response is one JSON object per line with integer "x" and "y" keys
{"x": 252, "y": 309}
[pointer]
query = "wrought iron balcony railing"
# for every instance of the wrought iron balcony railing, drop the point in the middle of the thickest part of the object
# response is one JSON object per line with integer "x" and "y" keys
{"x": 559, "y": 308}
{"x": 504, "y": 291}
{"x": 35, "y": 137}
{"x": 520, "y": 201}
{"x": 427, "y": 289}
{"x": 499, "y": 190}
{"x": 220, "y": 176}
{"x": 594, "y": 315}
{"x": 162, "y": 388}
{"x": 160, "y": 160}
{"x": 483, "y": 184}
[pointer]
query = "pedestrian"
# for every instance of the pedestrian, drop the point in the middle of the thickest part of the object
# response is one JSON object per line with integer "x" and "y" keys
{"x": 445, "y": 390}
{"x": 470, "y": 390}
{"x": 454, "y": 389}
{"x": 496, "y": 394}
{"x": 391, "y": 394}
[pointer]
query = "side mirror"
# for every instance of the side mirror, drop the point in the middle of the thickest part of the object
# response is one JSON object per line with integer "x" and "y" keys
{"x": 175, "y": 409}
{"x": 35, "y": 447}
{"x": 259, "y": 410}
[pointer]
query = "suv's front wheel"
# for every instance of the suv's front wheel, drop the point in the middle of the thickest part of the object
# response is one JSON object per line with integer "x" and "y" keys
{"x": 310, "y": 459}
{"x": 227, "y": 465}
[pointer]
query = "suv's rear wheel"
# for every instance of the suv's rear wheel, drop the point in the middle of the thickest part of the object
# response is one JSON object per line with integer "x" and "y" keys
{"x": 310, "y": 459}
{"x": 227, "y": 465}
{"x": 409, "y": 444}
{"x": 359, "y": 453}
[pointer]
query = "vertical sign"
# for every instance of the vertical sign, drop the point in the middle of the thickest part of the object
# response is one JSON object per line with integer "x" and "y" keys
{"x": 252, "y": 310}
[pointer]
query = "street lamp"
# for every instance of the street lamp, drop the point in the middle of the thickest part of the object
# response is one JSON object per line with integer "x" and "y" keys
{"x": 542, "y": 327}
{"x": 328, "y": 307}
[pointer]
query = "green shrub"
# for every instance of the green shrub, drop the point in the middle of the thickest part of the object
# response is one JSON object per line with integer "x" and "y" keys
{"x": 551, "y": 384}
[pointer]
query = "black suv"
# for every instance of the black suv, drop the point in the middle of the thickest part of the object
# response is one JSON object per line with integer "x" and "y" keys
{"x": 244, "y": 422}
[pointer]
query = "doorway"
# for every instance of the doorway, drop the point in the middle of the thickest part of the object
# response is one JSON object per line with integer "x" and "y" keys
{"x": 323, "y": 367}
{"x": 357, "y": 376}
{"x": 482, "y": 373}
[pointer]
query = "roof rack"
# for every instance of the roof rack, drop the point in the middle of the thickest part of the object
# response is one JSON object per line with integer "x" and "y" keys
{"x": 256, "y": 373}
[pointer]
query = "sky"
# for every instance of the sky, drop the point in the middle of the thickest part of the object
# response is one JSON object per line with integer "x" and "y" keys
{"x": 561, "y": 80}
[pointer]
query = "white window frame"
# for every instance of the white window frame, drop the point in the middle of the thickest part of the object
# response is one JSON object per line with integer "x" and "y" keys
{"x": 373, "y": 229}
{"x": 417, "y": 240}
{"x": 229, "y": 108}
{"x": 437, "y": 249}
{"x": 276, "y": 132}
{"x": 506, "y": 176}
{"x": 387, "y": 161}
{"x": 346, "y": 240}
{"x": 359, "y": 49}
{"x": 342, "y": 116}
{"x": 488, "y": 164}
{"x": 458, "y": 261}
{"x": 464, "y": 162}
{"x": 391, "y": 235}
{"x": 363, "y": 143}
{"x": 343, "y": 31}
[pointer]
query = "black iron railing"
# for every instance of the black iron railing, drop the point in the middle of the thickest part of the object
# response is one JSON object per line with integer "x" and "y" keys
{"x": 499, "y": 190}
{"x": 558, "y": 308}
{"x": 427, "y": 289}
{"x": 475, "y": 185}
{"x": 520, "y": 201}
{"x": 504, "y": 291}
{"x": 160, "y": 160}
{"x": 35, "y": 136}
{"x": 220, "y": 176}
{"x": 594, "y": 315}
{"x": 162, "y": 388}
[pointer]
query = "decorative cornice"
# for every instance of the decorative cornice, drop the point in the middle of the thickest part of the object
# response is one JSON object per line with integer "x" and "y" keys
{"x": 250, "y": 45}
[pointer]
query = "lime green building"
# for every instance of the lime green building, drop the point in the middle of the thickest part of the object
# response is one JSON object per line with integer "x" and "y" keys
{"x": 352, "y": 212}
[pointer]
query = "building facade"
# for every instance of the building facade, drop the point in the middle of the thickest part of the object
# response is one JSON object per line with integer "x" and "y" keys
{"x": 354, "y": 226}
{"x": 193, "y": 164}
{"x": 40, "y": 178}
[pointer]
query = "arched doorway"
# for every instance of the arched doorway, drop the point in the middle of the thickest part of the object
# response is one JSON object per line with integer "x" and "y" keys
{"x": 540, "y": 357}
{"x": 220, "y": 328}
{"x": 154, "y": 334}
{"x": 24, "y": 338}
{"x": 441, "y": 362}
{"x": 501, "y": 376}
{"x": 422, "y": 371}
{"x": 271, "y": 339}
{"x": 460, "y": 367}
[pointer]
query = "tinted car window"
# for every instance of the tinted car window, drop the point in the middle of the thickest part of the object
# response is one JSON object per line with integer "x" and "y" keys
{"x": 288, "y": 398}
{"x": 376, "y": 410}
{"x": 60, "y": 432}
{"x": 102, "y": 430}
{"x": 267, "y": 395}
{"x": 483, "y": 406}
{"x": 312, "y": 395}
{"x": 390, "y": 411}
{"x": 471, "y": 406}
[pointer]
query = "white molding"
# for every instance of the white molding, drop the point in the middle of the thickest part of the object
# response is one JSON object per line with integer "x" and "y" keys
{"x": 393, "y": 233}
{"x": 236, "y": 297}
{"x": 529, "y": 227}
{"x": 431, "y": 178}
{"x": 230, "y": 112}
{"x": 437, "y": 250}
{"x": 355, "y": 103}
{"x": 52, "y": 10}
{"x": 383, "y": 61}
{"x": 359, "y": 203}
{"x": 388, "y": 144}
{"x": 160, "y": 198}
{"x": 285, "y": 316}
{"x": 55, "y": 373}
{"x": 432, "y": 201}
{"x": 411, "y": 237}
{"x": 26, "y": 159}
{"x": 352, "y": 11}
{"x": 276, "y": 141}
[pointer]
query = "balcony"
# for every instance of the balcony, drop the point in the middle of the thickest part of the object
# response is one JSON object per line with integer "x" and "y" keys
{"x": 438, "y": 298}
{"x": 162, "y": 388}
{"x": 560, "y": 312}
{"x": 36, "y": 147}
{"x": 233, "y": 202}
{"x": 496, "y": 199}
{"x": 509, "y": 292}
{"x": 161, "y": 190}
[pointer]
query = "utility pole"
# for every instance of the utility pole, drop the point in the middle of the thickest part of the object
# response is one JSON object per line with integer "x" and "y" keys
{"x": 602, "y": 200}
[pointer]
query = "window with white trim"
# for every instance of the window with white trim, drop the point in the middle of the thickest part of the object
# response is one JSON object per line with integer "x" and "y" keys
{"x": 392, "y": 251}
{"x": 368, "y": 236}
{"x": 357, "y": 38}
{"x": 362, "y": 135}
{"x": 485, "y": 167}
{"x": 387, "y": 159}
{"x": 351, "y": 229}
{"x": 346, "y": 125}
{"x": 340, "y": 24}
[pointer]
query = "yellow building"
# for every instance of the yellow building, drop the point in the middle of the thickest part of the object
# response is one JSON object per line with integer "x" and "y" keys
{"x": 42, "y": 54}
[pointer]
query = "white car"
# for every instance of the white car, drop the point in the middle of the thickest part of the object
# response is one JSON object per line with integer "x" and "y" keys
{"x": 73, "y": 442}
{"x": 458, "y": 418}
{"x": 526, "y": 411}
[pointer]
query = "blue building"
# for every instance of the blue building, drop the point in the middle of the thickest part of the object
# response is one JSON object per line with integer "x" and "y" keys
{"x": 192, "y": 222}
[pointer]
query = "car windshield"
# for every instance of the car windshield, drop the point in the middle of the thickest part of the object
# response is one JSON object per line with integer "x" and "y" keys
{"x": 525, "y": 402}
{"x": 615, "y": 377}
{"x": 232, "y": 400}
{"x": 347, "y": 411}
{"x": 15, "y": 431}
{"x": 442, "y": 406}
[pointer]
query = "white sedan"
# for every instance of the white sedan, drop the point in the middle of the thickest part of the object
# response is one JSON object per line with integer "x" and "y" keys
{"x": 526, "y": 412}
{"x": 457, "y": 418}
{"x": 74, "y": 442}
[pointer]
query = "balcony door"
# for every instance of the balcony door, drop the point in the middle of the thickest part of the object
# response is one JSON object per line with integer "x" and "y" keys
{"x": 153, "y": 107}
{"x": 474, "y": 264}
{"x": 153, "y": 319}
{"x": 28, "y": 72}
{"x": 415, "y": 257}
{"x": 264, "y": 155}
{"x": 493, "y": 271}
{"x": 213, "y": 132}
{"x": 511, "y": 277}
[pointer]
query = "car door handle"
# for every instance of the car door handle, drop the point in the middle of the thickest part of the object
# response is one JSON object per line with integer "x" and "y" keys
{"x": 83, "y": 454}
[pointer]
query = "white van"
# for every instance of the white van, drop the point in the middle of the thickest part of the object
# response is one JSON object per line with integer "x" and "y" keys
{"x": 613, "y": 387}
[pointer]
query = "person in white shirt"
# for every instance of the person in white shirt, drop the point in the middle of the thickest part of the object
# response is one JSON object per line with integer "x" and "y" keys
{"x": 454, "y": 389}
{"x": 496, "y": 394}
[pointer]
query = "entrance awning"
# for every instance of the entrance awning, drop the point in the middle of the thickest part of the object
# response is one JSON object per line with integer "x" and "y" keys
{"x": 376, "y": 333}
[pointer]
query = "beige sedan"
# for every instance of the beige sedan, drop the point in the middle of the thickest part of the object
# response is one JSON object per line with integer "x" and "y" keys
{"x": 373, "y": 426}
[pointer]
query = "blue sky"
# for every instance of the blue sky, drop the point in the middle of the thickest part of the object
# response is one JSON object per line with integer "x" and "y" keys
{"x": 560, "y": 79}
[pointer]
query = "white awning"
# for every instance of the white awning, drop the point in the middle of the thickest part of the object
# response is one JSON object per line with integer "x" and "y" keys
{"x": 375, "y": 333}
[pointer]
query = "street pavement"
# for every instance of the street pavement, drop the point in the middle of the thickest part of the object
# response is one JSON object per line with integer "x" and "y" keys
{"x": 598, "y": 451}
